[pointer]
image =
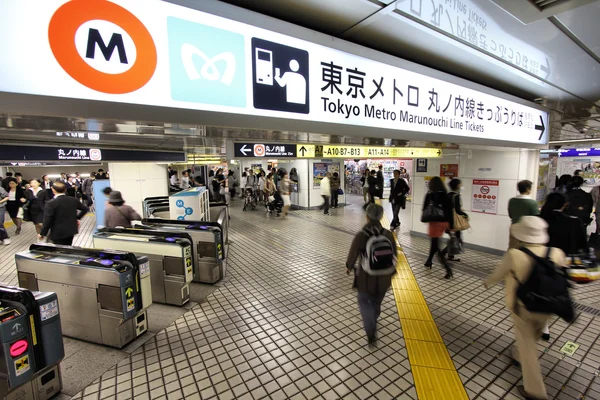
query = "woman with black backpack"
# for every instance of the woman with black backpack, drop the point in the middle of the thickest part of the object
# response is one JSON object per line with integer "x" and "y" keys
{"x": 437, "y": 212}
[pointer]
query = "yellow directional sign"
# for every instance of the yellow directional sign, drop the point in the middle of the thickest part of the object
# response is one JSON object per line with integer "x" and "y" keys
{"x": 569, "y": 348}
{"x": 128, "y": 292}
{"x": 305, "y": 150}
{"x": 380, "y": 152}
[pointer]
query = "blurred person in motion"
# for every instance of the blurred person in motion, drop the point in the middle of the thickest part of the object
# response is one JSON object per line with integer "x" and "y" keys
{"x": 565, "y": 232}
{"x": 373, "y": 183}
{"x": 119, "y": 214}
{"x": 521, "y": 206}
{"x": 87, "y": 189}
{"x": 380, "y": 181}
{"x": 325, "y": 192}
{"x": 438, "y": 197}
{"x": 14, "y": 206}
{"x": 456, "y": 203}
{"x": 3, "y": 200}
{"x": 515, "y": 267}
{"x": 562, "y": 186}
{"x": 101, "y": 174}
{"x": 398, "y": 191}
{"x": 6, "y": 180}
{"x": 285, "y": 187}
{"x": 375, "y": 249}
{"x": 61, "y": 217}
{"x": 364, "y": 180}
{"x": 232, "y": 183}
{"x": 581, "y": 203}
{"x": 36, "y": 200}
{"x": 335, "y": 187}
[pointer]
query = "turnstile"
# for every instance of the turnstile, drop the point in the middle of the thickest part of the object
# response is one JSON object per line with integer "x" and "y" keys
{"x": 219, "y": 212}
{"x": 153, "y": 202}
{"x": 103, "y": 294}
{"x": 169, "y": 254}
{"x": 31, "y": 345}
{"x": 208, "y": 245}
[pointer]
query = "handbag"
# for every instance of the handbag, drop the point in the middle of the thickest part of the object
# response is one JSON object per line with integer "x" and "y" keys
{"x": 455, "y": 246}
{"x": 432, "y": 213}
{"x": 340, "y": 191}
{"x": 461, "y": 223}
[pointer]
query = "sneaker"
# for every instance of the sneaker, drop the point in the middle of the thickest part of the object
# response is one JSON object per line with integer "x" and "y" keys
{"x": 6, "y": 242}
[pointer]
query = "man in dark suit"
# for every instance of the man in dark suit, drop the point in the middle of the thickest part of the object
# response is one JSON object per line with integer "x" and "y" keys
{"x": 398, "y": 191}
{"x": 380, "y": 180}
{"x": 61, "y": 216}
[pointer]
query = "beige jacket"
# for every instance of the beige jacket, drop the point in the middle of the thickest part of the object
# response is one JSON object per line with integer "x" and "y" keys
{"x": 520, "y": 264}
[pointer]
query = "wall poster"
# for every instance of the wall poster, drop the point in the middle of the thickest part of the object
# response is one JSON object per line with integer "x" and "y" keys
{"x": 485, "y": 196}
{"x": 449, "y": 170}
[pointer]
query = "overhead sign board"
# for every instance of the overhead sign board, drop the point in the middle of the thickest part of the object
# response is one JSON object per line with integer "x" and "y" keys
{"x": 590, "y": 152}
{"x": 159, "y": 54}
{"x": 379, "y": 152}
{"x": 19, "y": 154}
{"x": 264, "y": 150}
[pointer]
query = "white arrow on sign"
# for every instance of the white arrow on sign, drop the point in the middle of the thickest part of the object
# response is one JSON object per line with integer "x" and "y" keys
{"x": 244, "y": 150}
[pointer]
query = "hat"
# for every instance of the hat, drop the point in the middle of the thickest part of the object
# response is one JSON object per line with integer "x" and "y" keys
{"x": 529, "y": 229}
{"x": 115, "y": 197}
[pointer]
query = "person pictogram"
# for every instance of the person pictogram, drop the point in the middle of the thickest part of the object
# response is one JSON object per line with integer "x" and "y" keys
{"x": 293, "y": 82}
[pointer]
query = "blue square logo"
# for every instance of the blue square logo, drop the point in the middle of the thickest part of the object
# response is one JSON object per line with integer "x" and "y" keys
{"x": 207, "y": 64}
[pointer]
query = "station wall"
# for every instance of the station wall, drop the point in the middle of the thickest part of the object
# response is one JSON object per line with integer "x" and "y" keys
{"x": 507, "y": 165}
{"x": 136, "y": 181}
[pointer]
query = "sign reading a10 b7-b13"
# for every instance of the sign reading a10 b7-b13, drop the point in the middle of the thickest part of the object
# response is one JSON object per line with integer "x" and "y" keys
{"x": 154, "y": 53}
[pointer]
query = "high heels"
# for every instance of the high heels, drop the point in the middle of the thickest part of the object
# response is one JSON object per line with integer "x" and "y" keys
{"x": 429, "y": 264}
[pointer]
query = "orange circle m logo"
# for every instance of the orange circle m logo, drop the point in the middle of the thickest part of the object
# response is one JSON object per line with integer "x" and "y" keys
{"x": 128, "y": 52}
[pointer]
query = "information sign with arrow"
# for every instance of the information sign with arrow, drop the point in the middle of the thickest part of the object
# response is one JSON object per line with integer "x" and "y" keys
{"x": 569, "y": 348}
{"x": 305, "y": 150}
{"x": 259, "y": 150}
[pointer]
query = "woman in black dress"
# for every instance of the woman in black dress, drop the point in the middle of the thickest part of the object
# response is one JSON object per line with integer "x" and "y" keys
{"x": 16, "y": 199}
{"x": 36, "y": 197}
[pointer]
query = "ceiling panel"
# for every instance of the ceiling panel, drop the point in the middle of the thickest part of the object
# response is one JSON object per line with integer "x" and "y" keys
{"x": 584, "y": 22}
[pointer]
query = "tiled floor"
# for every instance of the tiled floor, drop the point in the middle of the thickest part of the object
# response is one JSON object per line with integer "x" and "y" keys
{"x": 286, "y": 325}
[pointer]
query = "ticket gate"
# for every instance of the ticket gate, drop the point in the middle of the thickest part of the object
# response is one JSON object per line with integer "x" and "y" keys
{"x": 169, "y": 254}
{"x": 153, "y": 202}
{"x": 103, "y": 294}
{"x": 208, "y": 245}
{"x": 219, "y": 212}
{"x": 31, "y": 345}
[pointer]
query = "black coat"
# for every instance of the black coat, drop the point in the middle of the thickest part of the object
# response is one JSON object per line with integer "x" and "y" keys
{"x": 566, "y": 232}
{"x": 60, "y": 217}
{"x": 398, "y": 192}
{"x": 442, "y": 200}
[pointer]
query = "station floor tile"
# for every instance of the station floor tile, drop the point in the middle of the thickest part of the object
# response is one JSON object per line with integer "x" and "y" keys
{"x": 285, "y": 325}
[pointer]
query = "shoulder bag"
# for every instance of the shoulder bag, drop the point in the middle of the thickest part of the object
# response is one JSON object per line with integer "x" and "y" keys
{"x": 432, "y": 213}
{"x": 461, "y": 223}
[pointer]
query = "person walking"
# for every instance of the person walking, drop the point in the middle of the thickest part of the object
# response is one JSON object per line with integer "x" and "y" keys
{"x": 371, "y": 283}
{"x": 581, "y": 203}
{"x": 437, "y": 197}
{"x": 36, "y": 200}
{"x": 14, "y": 206}
{"x": 61, "y": 216}
{"x": 515, "y": 267}
{"x": 380, "y": 181}
{"x": 3, "y": 200}
{"x": 232, "y": 183}
{"x": 184, "y": 184}
{"x": 325, "y": 193}
{"x": 456, "y": 203}
{"x": 364, "y": 180}
{"x": 398, "y": 191}
{"x": 262, "y": 181}
{"x": 119, "y": 214}
{"x": 373, "y": 191}
{"x": 335, "y": 187}
{"x": 521, "y": 206}
{"x": 88, "y": 190}
{"x": 285, "y": 187}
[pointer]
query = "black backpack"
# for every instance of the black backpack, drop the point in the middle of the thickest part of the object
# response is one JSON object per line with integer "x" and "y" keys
{"x": 547, "y": 288}
{"x": 379, "y": 257}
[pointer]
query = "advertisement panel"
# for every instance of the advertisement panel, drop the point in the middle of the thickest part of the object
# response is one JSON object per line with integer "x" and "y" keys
{"x": 158, "y": 54}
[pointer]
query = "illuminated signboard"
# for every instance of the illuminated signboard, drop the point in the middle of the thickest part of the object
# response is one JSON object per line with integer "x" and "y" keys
{"x": 379, "y": 152}
{"x": 579, "y": 152}
{"x": 158, "y": 54}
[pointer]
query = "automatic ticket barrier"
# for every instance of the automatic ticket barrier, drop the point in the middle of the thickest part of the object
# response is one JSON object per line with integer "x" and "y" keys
{"x": 208, "y": 247}
{"x": 31, "y": 345}
{"x": 169, "y": 254}
{"x": 103, "y": 294}
{"x": 152, "y": 205}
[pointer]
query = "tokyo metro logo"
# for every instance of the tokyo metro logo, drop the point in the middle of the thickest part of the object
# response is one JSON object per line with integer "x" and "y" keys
{"x": 102, "y": 46}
